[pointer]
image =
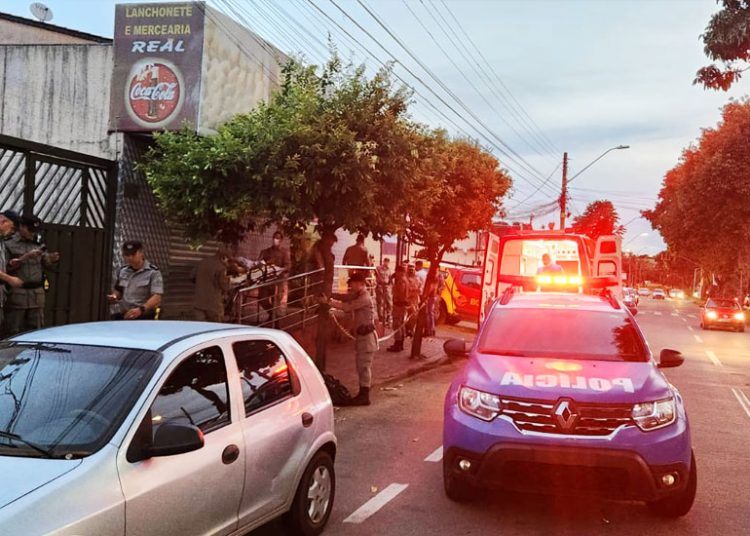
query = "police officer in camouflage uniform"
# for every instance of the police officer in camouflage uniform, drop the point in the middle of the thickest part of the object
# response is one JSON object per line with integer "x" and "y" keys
{"x": 8, "y": 220}
{"x": 139, "y": 286}
{"x": 359, "y": 303}
{"x": 24, "y": 310}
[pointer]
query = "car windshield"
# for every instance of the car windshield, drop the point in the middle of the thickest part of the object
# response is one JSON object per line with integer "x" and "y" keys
{"x": 562, "y": 333}
{"x": 64, "y": 400}
{"x": 724, "y": 304}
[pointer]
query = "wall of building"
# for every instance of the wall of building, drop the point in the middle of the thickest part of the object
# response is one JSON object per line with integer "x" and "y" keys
{"x": 13, "y": 32}
{"x": 58, "y": 95}
{"x": 240, "y": 70}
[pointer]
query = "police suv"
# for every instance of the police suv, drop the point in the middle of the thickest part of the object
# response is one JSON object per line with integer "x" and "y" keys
{"x": 562, "y": 393}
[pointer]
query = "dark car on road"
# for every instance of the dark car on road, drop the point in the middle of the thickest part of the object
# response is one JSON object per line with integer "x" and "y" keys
{"x": 722, "y": 313}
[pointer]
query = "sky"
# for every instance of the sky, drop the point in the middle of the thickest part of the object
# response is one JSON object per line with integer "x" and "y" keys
{"x": 529, "y": 80}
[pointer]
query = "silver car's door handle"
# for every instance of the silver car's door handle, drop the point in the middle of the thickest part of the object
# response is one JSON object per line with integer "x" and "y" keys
{"x": 230, "y": 454}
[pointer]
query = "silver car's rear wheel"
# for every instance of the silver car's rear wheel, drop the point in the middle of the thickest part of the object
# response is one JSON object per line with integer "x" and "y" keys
{"x": 314, "y": 498}
{"x": 319, "y": 494}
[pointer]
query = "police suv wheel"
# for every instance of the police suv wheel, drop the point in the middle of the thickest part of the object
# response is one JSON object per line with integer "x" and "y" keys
{"x": 457, "y": 490}
{"x": 313, "y": 501}
{"x": 680, "y": 504}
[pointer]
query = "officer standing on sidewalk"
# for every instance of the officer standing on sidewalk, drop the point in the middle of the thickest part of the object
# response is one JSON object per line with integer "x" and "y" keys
{"x": 139, "y": 285}
{"x": 8, "y": 220}
{"x": 400, "y": 305}
{"x": 358, "y": 301}
{"x": 25, "y": 307}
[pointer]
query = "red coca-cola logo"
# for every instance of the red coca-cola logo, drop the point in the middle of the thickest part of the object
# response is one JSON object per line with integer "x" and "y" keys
{"x": 154, "y": 94}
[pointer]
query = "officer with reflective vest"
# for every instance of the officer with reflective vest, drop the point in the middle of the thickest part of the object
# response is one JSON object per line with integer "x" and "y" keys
{"x": 139, "y": 286}
{"x": 24, "y": 309}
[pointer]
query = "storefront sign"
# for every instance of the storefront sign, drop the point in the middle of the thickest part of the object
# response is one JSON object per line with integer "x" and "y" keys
{"x": 158, "y": 59}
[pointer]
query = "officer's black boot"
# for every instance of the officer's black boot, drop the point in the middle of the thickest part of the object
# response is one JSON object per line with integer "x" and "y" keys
{"x": 396, "y": 347}
{"x": 362, "y": 398}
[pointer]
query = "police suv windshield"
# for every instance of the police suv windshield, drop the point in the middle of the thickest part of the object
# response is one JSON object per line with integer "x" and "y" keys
{"x": 562, "y": 333}
{"x": 63, "y": 400}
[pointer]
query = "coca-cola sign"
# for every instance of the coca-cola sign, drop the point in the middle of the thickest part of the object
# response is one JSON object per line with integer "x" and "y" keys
{"x": 158, "y": 65}
{"x": 155, "y": 93}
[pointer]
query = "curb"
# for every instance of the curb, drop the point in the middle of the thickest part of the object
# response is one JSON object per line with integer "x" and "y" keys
{"x": 419, "y": 366}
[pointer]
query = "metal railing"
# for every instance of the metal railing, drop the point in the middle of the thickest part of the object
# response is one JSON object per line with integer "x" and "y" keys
{"x": 268, "y": 298}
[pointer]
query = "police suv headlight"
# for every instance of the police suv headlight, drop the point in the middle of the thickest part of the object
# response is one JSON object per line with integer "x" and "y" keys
{"x": 479, "y": 404}
{"x": 739, "y": 316}
{"x": 712, "y": 315}
{"x": 654, "y": 415}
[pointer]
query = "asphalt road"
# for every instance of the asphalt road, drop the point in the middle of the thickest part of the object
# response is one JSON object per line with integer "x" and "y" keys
{"x": 389, "y": 465}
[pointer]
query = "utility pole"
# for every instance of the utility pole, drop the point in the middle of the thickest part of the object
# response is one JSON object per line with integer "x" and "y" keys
{"x": 564, "y": 194}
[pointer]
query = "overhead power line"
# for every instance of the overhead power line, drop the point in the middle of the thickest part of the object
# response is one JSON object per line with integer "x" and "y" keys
{"x": 503, "y": 147}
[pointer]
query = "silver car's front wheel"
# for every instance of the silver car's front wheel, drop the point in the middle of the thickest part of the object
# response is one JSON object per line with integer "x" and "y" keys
{"x": 314, "y": 498}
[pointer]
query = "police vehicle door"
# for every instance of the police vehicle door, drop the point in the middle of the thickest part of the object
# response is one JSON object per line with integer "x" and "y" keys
{"x": 489, "y": 276}
{"x": 608, "y": 260}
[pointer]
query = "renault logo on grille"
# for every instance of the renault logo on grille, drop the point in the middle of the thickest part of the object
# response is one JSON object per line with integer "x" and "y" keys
{"x": 565, "y": 414}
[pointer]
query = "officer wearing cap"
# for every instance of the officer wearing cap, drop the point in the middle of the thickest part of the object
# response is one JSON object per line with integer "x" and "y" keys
{"x": 359, "y": 303}
{"x": 139, "y": 286}
{"x": 8, "y": 221}
{"x": 24, "y": 309}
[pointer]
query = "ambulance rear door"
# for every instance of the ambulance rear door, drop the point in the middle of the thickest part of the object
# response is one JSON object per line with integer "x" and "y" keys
{"x": 489, "y": 275}
{"x": 608, "y": 260}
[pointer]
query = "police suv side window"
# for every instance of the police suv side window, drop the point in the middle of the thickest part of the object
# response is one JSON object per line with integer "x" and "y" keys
{"x": 264, "y": 373}
{"x": 195, "y": 393}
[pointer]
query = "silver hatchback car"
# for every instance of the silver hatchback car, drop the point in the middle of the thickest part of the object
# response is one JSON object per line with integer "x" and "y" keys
{"x": 157, "y": 427}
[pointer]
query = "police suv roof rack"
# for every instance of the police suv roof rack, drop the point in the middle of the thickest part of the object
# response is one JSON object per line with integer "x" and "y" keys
{"x": 507, "y": 295}
{"x": 608, "y": 295}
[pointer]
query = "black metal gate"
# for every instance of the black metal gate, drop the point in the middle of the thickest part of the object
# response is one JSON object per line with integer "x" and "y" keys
{"x": 74, "y": 195}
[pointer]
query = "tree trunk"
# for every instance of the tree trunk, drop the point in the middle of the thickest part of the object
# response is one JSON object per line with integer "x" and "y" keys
{"x": 416, "y": 343}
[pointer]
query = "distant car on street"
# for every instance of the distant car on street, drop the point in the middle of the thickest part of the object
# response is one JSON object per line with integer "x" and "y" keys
{"x": 722, "y": 313}
{"x": 561, "y": 394}
{"x": 676, "y": 294}
{"x": 658, "y": 294}
{"x": 459, "y": 299}
{"x": 643, "y": 291}
{"x": 630, "y": 296}
{"x": 162, "y": 428}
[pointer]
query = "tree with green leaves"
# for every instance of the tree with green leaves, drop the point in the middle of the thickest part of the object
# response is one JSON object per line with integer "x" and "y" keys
{"x": 703, "y": 209}
{"x": 599, "y": 219}
{"x": 727, "y": 41}
{"x": 462, "y": 188}
{"x": 332, "y": 146}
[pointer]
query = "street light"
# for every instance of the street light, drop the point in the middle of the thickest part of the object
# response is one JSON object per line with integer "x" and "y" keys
{"x": 566, "y": 181}
{"x": 599, "y": 158}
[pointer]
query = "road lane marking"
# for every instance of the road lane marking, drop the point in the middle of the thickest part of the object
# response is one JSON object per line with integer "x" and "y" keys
{"x": 742, "y": 399}
{"x": 692, "y": 316}
{"x": 657, "y": 313}
{"x": 675, "y": 314}
{"x": 376, "y": 503}
{"x": 697, "y": 338}
{"x": 684, "y": 320}
{"x": 690, "y": 328}
{"x": 435, "y": 456}
{"x": 713, "y": 358}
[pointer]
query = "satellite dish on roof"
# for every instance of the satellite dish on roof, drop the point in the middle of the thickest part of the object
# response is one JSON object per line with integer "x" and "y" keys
{"x": 41, "y": 12}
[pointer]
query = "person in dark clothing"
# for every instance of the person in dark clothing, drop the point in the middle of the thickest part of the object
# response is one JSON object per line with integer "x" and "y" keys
{"x": 28, "y": 260}
{"x": 274, "y": 297}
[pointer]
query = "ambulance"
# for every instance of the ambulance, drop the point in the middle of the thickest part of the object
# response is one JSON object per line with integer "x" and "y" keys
{"x": 520, "y": 253}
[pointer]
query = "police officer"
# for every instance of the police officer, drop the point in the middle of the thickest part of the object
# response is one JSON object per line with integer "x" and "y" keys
{"x": 358, "y": 301}
{"x": 400, "y": 306}
{"x": 8, "y": 220}
{"x": 28, "y": 259}
{"x": 139, "y": 285}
